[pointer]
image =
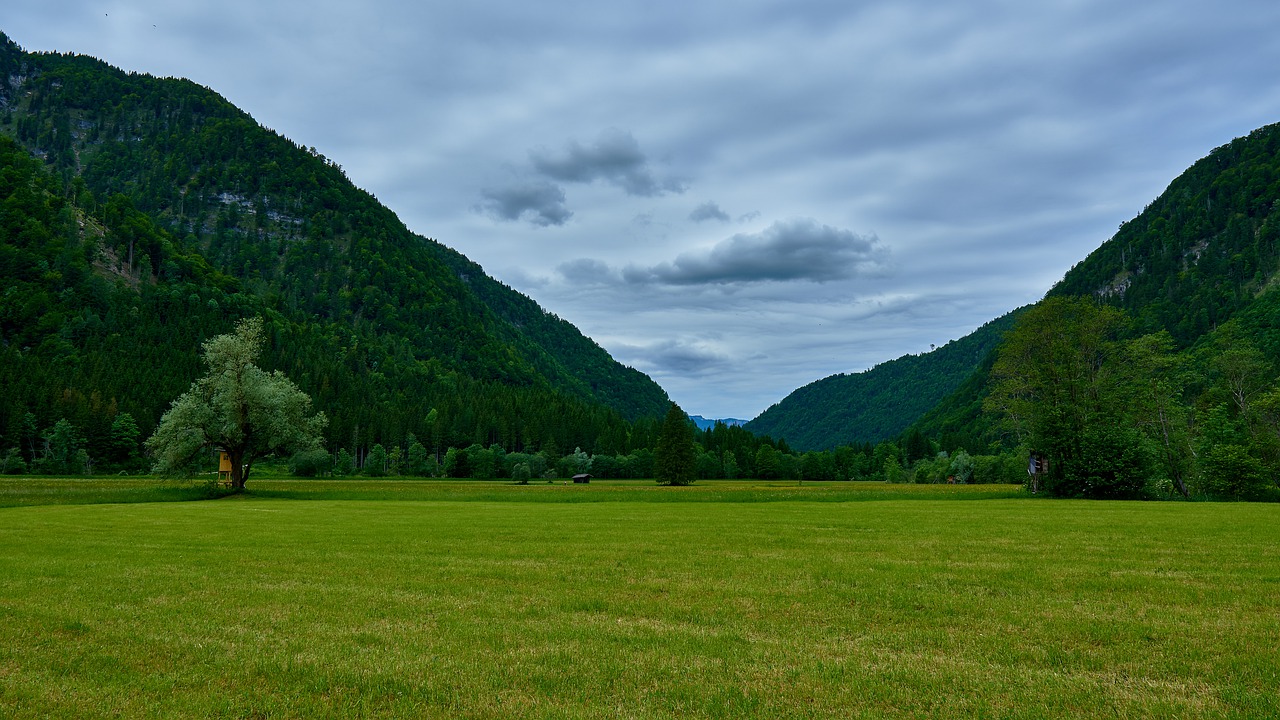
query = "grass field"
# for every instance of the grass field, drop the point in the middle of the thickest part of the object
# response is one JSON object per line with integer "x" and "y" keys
{"x": 483, "y": 600}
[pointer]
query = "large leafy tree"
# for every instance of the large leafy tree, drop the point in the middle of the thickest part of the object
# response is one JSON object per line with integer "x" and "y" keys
{"x": 236, "y": 407}
{"x": 674, "y": 456}
{"x": 1059, "y": 388}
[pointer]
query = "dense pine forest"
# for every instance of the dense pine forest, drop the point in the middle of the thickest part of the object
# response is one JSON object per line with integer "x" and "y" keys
{"x": 143, "y": 216}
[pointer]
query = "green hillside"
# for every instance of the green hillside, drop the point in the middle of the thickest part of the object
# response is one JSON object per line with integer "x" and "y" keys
{"x": 1150, "y": 369}
{"x": 880, "y": 403}
{"x": 143, "y": 215}
{"x": 1205, "y": 251}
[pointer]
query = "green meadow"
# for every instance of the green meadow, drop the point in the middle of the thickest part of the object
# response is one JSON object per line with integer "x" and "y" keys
{"x": 437, "y": 599}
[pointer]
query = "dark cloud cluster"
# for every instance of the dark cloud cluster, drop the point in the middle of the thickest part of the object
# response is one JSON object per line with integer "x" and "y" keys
{"x": 539, "y": 201}
{"x": 788, "y": 251}
{"x": 708, "y": 211}
{"x": 614, "y": 158}
{"x": 679, "y": 357}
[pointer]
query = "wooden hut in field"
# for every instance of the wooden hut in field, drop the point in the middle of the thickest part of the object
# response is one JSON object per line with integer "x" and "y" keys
{"x": 582, "y": 478}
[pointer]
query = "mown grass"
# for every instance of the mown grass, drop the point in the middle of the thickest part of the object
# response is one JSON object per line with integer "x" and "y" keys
{"x": 255, "y": 606}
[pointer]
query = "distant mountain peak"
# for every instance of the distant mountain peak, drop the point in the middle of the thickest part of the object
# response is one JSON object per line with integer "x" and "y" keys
{"x": 708, "y": 423}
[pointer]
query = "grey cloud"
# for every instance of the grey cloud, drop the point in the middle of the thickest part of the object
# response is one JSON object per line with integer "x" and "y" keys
{"x": 541, "y": 201}
{"x": 587, "y": 271}
{"x": 708, "y": 211}
{"x": 677, "y": 356}
{"x": 615, "y": 158}
{"x": 800, "y": 249}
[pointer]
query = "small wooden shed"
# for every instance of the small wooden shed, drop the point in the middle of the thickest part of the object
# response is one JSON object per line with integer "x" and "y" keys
{"x": 582, "y": 478}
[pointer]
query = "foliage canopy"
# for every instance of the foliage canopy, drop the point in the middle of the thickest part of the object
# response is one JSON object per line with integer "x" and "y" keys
{"x": 238, "y": 408}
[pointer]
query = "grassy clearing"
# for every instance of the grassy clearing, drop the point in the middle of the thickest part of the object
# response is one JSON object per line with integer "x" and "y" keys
{"x": 259, "y": 606}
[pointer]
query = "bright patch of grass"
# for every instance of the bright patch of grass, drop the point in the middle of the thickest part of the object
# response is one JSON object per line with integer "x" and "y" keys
{"x": 264, "y": 607}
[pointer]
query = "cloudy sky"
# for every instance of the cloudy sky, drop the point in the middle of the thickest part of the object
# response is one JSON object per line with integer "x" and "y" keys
{"x": 737, "y": 198}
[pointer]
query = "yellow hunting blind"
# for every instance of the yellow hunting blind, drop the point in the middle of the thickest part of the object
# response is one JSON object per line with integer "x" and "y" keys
{"x": 224, "y": 466}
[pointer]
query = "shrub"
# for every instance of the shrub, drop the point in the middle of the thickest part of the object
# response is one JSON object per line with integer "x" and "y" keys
{"x": 375, "y": 463}
{"x": 1229, "y": 471}
{"x": 12, "y": 463}
{"x": 345, "y": 464}
{"x": 310, "y": 463}
{"x": 521, "y": 473}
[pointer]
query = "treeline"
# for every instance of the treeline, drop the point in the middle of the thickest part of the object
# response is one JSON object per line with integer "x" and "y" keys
{"x": 719, "y": 453}
{"x": 1201, "y": 252}
{"x": 1118, "y": 414}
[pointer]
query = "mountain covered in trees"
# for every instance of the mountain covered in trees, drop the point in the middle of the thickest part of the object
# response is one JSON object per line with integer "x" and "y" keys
{"x": 1150, "y": 370}
{"x": 880, "y": 403}
{"x": 1200, "y": 263}
{"x": 142, "y": 216}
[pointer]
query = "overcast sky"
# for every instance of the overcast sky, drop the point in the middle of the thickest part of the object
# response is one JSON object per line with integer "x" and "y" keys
{"x": 737, "y": 198}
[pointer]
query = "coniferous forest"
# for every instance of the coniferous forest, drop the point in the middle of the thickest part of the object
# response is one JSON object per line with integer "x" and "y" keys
{"x": 140, "y": 217}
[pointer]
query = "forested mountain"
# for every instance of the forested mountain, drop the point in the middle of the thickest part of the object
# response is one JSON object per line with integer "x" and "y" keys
{"x": 141, "y": 216}
{"x": 880, "y": 403}
{"x": 1202, "y": 253}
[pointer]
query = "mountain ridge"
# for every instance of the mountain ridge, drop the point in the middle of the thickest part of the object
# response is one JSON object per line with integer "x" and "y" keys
{"x": 193, "y": 196}
{"x": 1204, "y": 251}
{"x": 881, "y": 402}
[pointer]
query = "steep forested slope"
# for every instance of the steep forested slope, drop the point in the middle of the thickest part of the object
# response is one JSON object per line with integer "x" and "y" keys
{"x": 1201, "y": 251}
{"x": 1205, "y": 251}
{"x": 880, "y": 403}
{"x": 159, "y": 214}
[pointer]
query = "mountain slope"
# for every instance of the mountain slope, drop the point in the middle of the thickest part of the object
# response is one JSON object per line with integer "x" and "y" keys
{"x": 1200, "y": 254}
{"x": 880, "y": 403}
{"x": 1205, "y": 251}
{"x": 179, "y": 198}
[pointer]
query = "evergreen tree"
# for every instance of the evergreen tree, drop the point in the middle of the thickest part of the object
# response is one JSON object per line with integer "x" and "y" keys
{"x": 62, "y": 444}
{"x": 123, "y": 442}
{"x": 674, "y": 455}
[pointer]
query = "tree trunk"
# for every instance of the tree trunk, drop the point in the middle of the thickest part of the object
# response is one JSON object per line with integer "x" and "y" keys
{"x": 238, "y": 476}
